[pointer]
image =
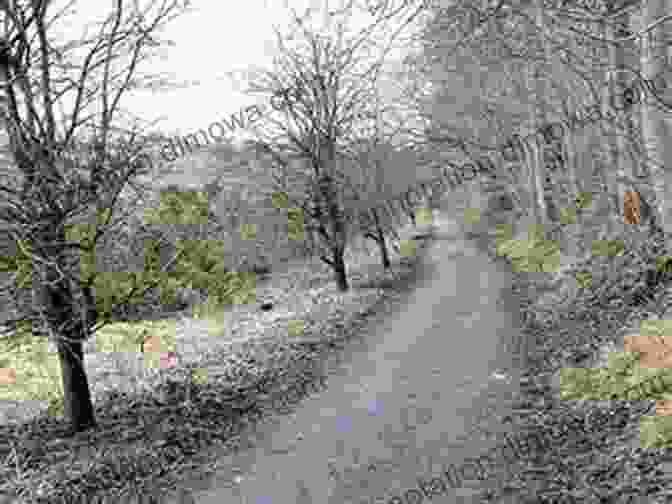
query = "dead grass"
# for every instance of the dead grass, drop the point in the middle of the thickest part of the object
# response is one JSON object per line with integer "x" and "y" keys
{"x": 236, "y": 366}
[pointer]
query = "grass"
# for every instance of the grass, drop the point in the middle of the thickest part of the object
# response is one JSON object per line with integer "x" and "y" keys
{"x": 232, "y": 367}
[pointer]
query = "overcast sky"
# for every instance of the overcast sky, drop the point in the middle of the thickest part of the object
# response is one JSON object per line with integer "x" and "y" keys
{"x": 216, "y": 38}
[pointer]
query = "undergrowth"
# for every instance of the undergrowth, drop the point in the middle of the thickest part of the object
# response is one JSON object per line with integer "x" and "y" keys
{"x": 606, "y": 446}
{"x": 179, "y": 423}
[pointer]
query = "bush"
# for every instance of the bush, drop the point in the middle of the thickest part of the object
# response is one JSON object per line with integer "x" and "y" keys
{"x": 533, "y": 254}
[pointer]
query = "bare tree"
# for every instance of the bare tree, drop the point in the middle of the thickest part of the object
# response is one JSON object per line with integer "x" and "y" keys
{"x": 655, "y": 131}
{"x": 369, "y": 217}
{"x": 321, "y": 91}
{"x": 50, "y": 194}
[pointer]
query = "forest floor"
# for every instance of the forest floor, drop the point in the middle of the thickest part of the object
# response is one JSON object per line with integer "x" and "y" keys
{"x": 165, "y": 428}
{"x": 411, "y": 398}
{"x": 155, "y": 424}
{"x": 595, "y": 449}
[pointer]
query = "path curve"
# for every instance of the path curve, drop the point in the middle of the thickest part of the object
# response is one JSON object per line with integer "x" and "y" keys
{"x": 401, "y": 410}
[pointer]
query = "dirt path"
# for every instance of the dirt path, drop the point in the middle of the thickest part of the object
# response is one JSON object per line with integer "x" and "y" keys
{"x": 404, "y": 408}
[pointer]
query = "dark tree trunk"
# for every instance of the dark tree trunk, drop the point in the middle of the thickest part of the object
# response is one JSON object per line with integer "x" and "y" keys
{"x": 337, "y": 223}
{"x": 383, "y": 252}
{"x": 69, "y": 312}
{"x": 409, "y": 207}
{"x": 341, "y": 275}
{"x": 76, "y": 395}
{"x": 380, "y": 240}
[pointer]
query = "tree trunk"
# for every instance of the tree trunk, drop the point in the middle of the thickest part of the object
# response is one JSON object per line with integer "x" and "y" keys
{"x": 336, "y": 218}
{"x": 609, "y": 136}
{"x": 384, "y": 254}
{"x": 569, "y": 155}
{"x": 537, "y": 161}
{"x": 408, "y": 207}
{"x": 340, "y": 241}
{"x": 574, "y": 238}
{"x": 66, "y": 323}
{"x": 654, "y": 129}
{"x": 339, "y": 269}
{"x": 623, "y": 167}
{"x": 76, "y": 395}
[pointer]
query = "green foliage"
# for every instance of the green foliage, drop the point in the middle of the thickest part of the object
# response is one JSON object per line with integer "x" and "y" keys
{"x": 21, "y": 264}
{"x": 608, "y": 248}
{"x": 168, "y": 289}
{"x": 472, "y": 216}
{"x": 577, "y": 383}
{"x": 113, "y": 288}
{"x": 567, "y": 216}
{"x": 408, "y": 248}
{"x": 544, "y": 256}
{"x": 229, "y": 288}
{"x": 200, "y": 265}
{"x": 661, "y": 327}
{"x": 106, "y": 295}
{"x": 295, "y": 224}
{"x": 280, "y": 200}
{"x": 584, "y": 200}
{"x": 655, "y": 432}
{"x": 200, "y": 256}
{"x": 152, "y": 256}
{"x": 248, "y": 232}
{"x": 533, "y": 254}
{"x": 535, "y": 233}
{"x": 622, "y": 379}
{"x": 199, "y": 376}
{"x": 664, "y": 264}
{"x": 584, "y": 279}
{"x": 424, "y": 216}
{"x": 38, "y": 372}
{"x": 503, "y": 233}
{"x": 180, "y": 207}
{"x": 295, "y": 328}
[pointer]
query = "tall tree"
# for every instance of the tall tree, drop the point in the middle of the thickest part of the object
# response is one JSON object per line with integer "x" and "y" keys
{"x": 44, "y": 77}
{"x": 617, "y": 29}
{"x": 320, "y": 89}
{"x": 538, "y": 83}
{"x": 655, "y": 130}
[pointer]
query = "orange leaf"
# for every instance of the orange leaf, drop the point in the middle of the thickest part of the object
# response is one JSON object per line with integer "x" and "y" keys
{"x": 655, "y": 351}
{"x": 631, "y": 208}
{"x": 7, "y": 376}
{"x": 664, "y": 408}
{"x": 152, "y": 344}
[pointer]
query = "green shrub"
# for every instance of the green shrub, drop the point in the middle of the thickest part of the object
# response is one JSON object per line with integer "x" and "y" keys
{"x": 622, "y": 379}
{"x": 533, "y": 254}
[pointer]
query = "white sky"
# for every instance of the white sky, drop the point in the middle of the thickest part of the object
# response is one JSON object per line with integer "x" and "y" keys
{"x": 219, "y": 36}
